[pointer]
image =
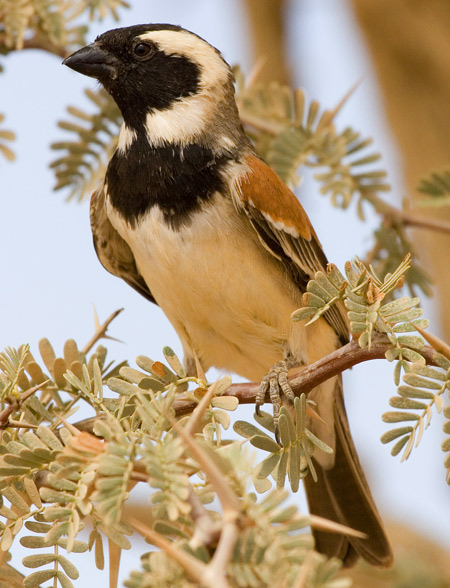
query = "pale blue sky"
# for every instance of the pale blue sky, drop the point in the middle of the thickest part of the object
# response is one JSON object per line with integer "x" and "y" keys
{"x": 51, "y": 276}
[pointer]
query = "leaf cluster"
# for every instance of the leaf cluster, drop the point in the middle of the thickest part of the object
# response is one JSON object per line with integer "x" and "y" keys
{"x": 83, "y": 162}
{"x": 55, "y": 480}
{"x": 293, "y": 456}
{"x": 53, "y": 25}
{"x": 422, "y": 389}
{"x": 290, "y": 134}
{"x": 436, "y": 189}
{"x": 371, "y": 310}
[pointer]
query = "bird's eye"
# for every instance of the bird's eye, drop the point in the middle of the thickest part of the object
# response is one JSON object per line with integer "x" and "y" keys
{"x": 142, "y": 50}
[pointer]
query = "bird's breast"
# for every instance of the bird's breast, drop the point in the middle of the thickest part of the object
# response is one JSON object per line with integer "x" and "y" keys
{"x": 226, "y": 296}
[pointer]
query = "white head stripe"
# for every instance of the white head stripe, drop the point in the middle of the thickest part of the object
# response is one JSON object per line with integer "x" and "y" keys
{"x": 182, "y": 123}
{"x": 213, "y": 69}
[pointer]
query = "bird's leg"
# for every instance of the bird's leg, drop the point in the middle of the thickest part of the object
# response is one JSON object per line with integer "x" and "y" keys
{"x": 277, "y": 385}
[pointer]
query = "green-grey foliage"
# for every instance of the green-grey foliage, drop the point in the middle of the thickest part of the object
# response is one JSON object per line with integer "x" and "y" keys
{"x": 83, "y": 163}
{"x": 436, "y": 189}
{"x": 293, "y": 457}
{"x": 290, "y": 134}
{"x": 422, "y": 390}
{"x": 368, "y": 304}
{"x": 392, "y": 246}
{"x": 53, "y": 25}
{"x": 446, "y": 442}
{"x": 54, "y": 479}
{"x": 370, "y": 310}
{"x": 274, "y": 547}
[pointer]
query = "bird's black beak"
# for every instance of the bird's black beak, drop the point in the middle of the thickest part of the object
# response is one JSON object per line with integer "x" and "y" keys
{"x": 93, "y": 61}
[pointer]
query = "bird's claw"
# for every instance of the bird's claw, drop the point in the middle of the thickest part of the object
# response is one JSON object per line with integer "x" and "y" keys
{"x": 276, "y": 384}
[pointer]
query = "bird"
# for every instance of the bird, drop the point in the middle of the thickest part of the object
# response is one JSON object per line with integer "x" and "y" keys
{"x": 193, "y": 219}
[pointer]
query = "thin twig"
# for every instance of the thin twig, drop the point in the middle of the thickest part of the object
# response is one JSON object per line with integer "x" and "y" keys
{"x": 16, "y": 403}
{"x": 194, "y": 568}
{"x": 424, "y": 222}
{"x": 225, "y": 493}
{"x": 100, "y": 332}
{"x": 405, "y": 217}
{"x": 206, "y": 531}
{"x": 224, "y": 550}
{"x": 21, "y": 425}
{"x": 301, "y": 581}
{"x": 36, "y": 42}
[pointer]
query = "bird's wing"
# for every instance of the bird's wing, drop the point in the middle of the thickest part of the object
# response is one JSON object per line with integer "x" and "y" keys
{"x": 113, "y": 252}
{"x": 285, "y": 230}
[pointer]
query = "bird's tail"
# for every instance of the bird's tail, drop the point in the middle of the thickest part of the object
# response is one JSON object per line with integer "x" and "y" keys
{"x": 342, "y": 494}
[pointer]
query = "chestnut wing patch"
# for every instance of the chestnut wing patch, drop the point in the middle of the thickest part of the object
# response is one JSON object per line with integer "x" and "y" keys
{"x": 285, "y": 230}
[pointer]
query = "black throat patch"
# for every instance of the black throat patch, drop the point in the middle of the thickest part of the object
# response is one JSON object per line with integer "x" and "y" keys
{"x": 176, "y": 179}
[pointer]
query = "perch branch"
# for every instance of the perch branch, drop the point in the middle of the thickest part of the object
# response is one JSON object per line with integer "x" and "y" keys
{"x": 303, "y": 381}
{"x": 314, "y": 374}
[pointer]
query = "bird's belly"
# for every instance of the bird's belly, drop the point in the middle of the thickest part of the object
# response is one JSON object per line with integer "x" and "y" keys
{"x": 226, "y": 296}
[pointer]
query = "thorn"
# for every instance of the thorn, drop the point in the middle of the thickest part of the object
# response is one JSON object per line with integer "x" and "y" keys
{"x": 100, "y": 330}
{"x": 256, "y": 71}
{"x": 225, "y": 493}
{"x": 314, "y": 415}
{"x": 194, "y": 568}
{"x": 96, "y": 320}
{"x": 329, "y": 115}
{"x": 322, "y": 524}
{"x": 68, "y": 425}
{"x": 199, "y": 368}
{"x": 193, "y": 425}
{"x": 436, "y": 343}
{"x": 112, "y": 339}
{"x": 346, "y": 97}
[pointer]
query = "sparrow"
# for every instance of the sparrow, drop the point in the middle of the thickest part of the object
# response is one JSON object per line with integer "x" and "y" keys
{"x": 195, "y": 221}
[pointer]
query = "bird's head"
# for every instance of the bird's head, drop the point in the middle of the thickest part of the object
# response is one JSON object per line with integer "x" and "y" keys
{"x": 166, "y": 80}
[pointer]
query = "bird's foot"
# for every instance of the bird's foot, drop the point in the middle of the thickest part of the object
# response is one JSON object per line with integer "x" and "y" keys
{"x": 277, "y": 385}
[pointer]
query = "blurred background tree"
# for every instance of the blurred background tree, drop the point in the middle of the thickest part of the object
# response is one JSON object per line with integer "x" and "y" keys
{"x": 45, "y": 244}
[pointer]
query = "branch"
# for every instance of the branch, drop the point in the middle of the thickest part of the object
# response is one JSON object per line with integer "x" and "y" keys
{"x": 313, "y": 374}
{"x": 37, "y": 42}
{"x": 206, "y": 531}
{"x": 307, "y": 378}
{"x": 16, "y": 403}
{"x": 100, "y": 330}
{"x": 404, "y": 217}
{"x": 194, "y": 568}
